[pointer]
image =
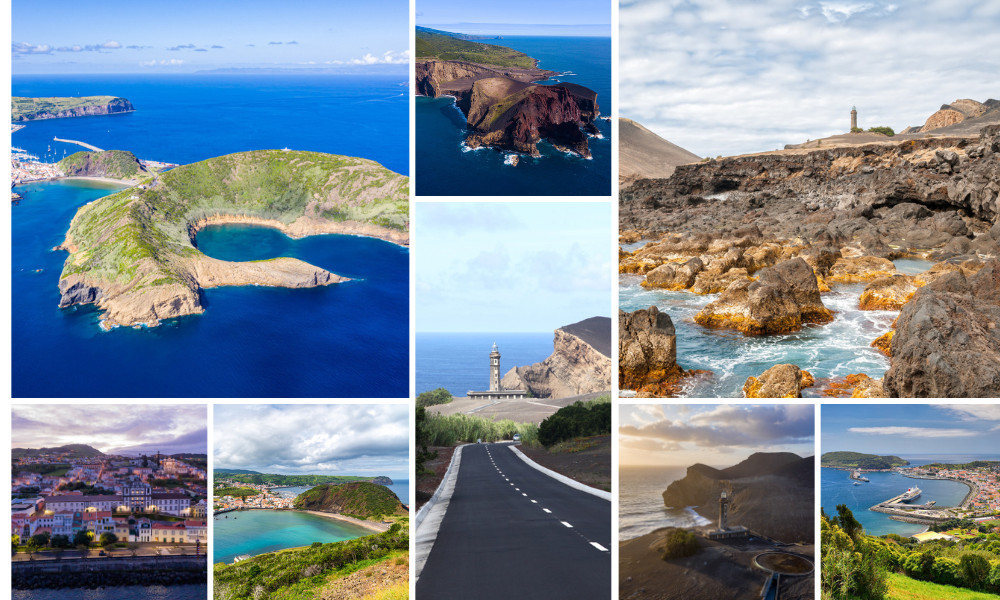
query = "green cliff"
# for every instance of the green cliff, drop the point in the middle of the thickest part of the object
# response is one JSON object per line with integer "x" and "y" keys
{"x": 858, "y": 460}
{"x": 31, "y": 109}
{"x": 361, "y": 500}
{"x": 445, "y": 47}
{"x": 117, "y": 164}
{"x": 133, "y": 255}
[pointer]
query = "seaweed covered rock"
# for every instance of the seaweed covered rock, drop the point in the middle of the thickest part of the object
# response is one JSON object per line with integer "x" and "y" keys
{"x": 781, "y": 300}
{"x": 647, "y": 350}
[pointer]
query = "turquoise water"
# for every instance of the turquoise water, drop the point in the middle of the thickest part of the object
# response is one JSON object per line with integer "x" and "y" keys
{"x": 460, "y": 362}
{"x": 446, "y": 167}
{"x": 131, "y": 592}
{"x": 836, "y": 488}
{"x": 344, "y": 340}
{"x": 258, "y": 531}
{"x": 835, "y": 349}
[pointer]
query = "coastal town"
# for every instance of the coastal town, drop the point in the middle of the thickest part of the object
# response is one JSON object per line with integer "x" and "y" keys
{"x": 230, "y": 495}
{"x": 76, "y": 497}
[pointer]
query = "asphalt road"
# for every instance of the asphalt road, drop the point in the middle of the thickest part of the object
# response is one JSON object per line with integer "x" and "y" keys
{"x": 512, "y": 532}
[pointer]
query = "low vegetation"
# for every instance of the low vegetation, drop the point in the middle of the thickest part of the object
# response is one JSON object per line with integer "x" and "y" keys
{"x": 576, "y": 420}
{"x": 858, "y": 460}
{"x": 117, "y": 164}
{"x": 856, "y": 565}
{"x": 902, "y": 587}
{"x": 289, "y": 480}
{"x": 361, "y": 500}
{"x": 883, "y": 130}
{"x": 679, "y": 543}
{"x": 448, "y": 430}
{"x": 235, "y": 492}
{"x": 438, "y": 396}
{"x": 298, "y": 572}
{"x": 446, "y": 47}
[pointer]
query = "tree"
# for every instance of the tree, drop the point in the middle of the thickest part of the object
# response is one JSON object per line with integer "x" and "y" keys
{"x": 15, "y": 541}
{"x": 61, "y": 541}
{"x": 975, "y": 570}
{"x": 83, "y": 538}
{"x": 846, "y": 521}
{"x": 108, "y": 539}
{"x": 41, "y": 539}
{"x": 438, "y": 396}
{"x": 31, "y": 547}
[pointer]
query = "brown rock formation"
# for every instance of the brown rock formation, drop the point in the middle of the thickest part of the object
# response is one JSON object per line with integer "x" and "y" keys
{"x": 580, "y": 363}
{"x": 644, "y": 155}
{"x": 647, "y": 352}
{"x": 780, "y": 381}
{"x": 888, "y": 293}
{"x": 860, "y": 269}
{"x": 782, "y": 298}
{"x": 953, "y": 113}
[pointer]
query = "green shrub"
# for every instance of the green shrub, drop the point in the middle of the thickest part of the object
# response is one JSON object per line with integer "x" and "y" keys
{"x": 679, "y": 543}
{"x": 438, "y": 396}
{"x": 576, "y": 420}
{"x": 883, "y": 130}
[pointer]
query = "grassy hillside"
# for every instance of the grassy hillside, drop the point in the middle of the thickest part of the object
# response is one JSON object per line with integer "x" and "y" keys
{"x": 858, "y": 460}
{"x": 902, "y": 587}
{"x": 361, "y": 500}
{"x": 71, "y": 451}
{"x": 118, "y": 164}
{"x": 445, "y": 47}
{"x": 26, "y": 109}
{"x": 289, "y": 480}
{"x": 117, "y": 233}
{"x": 300, "y": 572}
{"x": 236, "y": 492}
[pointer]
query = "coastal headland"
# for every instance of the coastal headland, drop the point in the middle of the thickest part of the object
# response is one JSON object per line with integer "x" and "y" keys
{"x": 773, "y": 233}
{"x": 134, "y": 255}
{"x": 33, "y": 109}
{"x": 495, "y": 89}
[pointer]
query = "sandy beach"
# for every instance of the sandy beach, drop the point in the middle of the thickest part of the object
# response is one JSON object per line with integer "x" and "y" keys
{"x": 371, "y": 525}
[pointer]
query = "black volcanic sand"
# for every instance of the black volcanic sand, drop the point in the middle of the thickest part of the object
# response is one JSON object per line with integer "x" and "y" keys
{"x": 718, "y": 570}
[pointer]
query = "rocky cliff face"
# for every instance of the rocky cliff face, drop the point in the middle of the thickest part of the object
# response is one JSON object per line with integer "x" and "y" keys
{"x": 770, "y": 493}
{"x": 503, "y": 110}
{"x": 115, "y": 105}
{"x": 579, "y": 363}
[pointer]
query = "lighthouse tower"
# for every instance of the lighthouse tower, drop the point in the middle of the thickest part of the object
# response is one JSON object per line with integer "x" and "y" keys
{"x": 723, "y": 512}
{"x": 495, "y": 369}
{"x": 854, "y": 118}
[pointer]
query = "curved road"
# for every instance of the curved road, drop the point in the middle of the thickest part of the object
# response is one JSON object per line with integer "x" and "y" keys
{"x": 511, "y": 531}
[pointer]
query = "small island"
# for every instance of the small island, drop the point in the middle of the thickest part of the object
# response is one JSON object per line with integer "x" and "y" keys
{"x": 34, "y": 109}
{"x": 495, "y": 88}
{"x": 858, "y": 460}
{"x": 133, "y": 253}
{"x": 364, "y": 503}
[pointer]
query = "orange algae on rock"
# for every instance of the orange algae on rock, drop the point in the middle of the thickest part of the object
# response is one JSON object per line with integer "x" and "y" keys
{"x": 883, "y": 343}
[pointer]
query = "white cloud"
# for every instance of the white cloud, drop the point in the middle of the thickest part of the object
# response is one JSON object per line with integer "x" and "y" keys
{"x": 111, "y": 45}
{"x": 921, "y": 432}
{"x": 26, "y": 48}
{"x": 973, "y": 412}
{"x": 389, "y": 57}
{"x": 733, "y": 425}
{"x": 172, "y": 62}
{"x": 728, "y": 77}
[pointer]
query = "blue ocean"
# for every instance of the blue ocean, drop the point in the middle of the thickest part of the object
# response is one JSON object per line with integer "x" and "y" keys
{"x": 836, "y": 488}
{"x": 835, "y": 349}
{"x": 444, "y": 167}
{"x": 347, "y": 340}
{"x": 460, "y": 362}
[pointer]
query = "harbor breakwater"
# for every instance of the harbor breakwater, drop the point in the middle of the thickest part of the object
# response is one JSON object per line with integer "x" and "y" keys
{"x": 109, "y": 572}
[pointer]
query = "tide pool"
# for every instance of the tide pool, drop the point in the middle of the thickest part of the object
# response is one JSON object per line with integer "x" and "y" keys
{"x": 445, "y": 167}
{"x": 834, "y": 349}
{"x": 255, "y": 532}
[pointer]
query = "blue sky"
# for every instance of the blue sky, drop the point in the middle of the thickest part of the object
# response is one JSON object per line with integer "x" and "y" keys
{"x": 723, "y": 77}
{"x": 547, "y": 17}
{"x": 913, "y": 429}
{"x": 114, "y": 36}
{"x": 511, "y": 267}
{"x": 335, "y": 439}
{"x": 718, "y": 435}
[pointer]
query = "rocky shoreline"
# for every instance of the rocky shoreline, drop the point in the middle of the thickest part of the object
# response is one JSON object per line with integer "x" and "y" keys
{"x": 774, "y": 232}
{"x": 505, "y": 110}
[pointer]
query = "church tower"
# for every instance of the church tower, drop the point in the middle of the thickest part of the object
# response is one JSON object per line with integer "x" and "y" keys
{"x": 723, "y": 512}
{"x": 854, "y": 118}
{"x": 495, "y": 369}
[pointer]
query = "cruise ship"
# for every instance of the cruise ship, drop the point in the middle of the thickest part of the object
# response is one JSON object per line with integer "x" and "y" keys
{"x": 911, "y": 494}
